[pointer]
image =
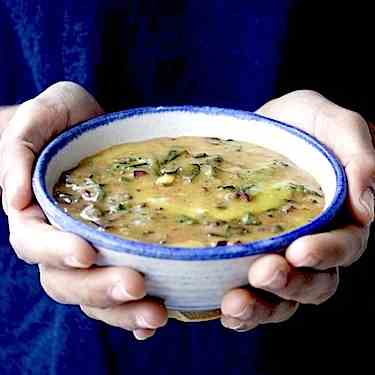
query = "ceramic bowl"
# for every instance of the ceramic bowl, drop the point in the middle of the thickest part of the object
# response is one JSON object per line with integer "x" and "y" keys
{"x": 194, "y": 280}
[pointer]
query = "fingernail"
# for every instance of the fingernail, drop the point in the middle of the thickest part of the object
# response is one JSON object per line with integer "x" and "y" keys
{"x": 119, "y": 293}
{"x": 231, "y": 323}
{"x": 277, "y": 281}
{"x": 142, "y": 322}
{"x": 72, "y": 261}
{"x": 367, "y": 202}
{"x": 245, "y": 313}
{"x": 142, "y": 338}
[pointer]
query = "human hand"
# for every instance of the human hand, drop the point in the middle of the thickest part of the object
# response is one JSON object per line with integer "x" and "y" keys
{"x": 115, "y": 295}
{"x": 308, "y": 273}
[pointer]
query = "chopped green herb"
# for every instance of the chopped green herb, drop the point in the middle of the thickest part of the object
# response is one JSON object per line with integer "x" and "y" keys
{"x": 200, "y": 155}
{"x": 92, "y": 191}
{"x": 134, "y": 161}
{"x": 184, "y": 219}
{"x": 277, "y": 228}
{"x": 250, "y": 189}
{"x": 222, "y": 205}
{"x": 172, "y": 155}
{"x": 155, "y": 165}
{"x": 250, "y": 219}
{"x": 123, "y": 207}
{"x": 215, "y": 159}
{"x": 303, "y": 189}
{"x": 227, "y": 187}
{"x": 191, "y": 171}
{"x": 138, "y": 164}
{"x": 124, "y": 179}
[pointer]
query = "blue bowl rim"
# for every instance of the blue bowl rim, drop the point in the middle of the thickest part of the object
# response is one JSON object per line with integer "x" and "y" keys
{"x": 117, "y": 244}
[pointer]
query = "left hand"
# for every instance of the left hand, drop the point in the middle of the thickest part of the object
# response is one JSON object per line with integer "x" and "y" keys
{"x": 308, "y": 273}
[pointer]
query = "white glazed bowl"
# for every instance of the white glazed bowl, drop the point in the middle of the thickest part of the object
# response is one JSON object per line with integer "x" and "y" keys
{"x": 186, "y": 279}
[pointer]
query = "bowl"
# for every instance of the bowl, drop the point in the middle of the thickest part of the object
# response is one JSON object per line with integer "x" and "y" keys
{"x": 191, "y": 281}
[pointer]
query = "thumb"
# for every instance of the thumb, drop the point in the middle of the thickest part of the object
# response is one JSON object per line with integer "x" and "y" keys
{"x": 35, "y": 123}
{"x": 345, "y": 132}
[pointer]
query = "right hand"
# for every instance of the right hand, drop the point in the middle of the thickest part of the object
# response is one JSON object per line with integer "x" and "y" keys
{"x": 115, "y": 295}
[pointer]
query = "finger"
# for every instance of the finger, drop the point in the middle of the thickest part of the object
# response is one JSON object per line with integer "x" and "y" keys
{"x": 58, "y": 107}
{"x": 340, "y": 247}
{"x": 34, "y": 241}
{"x": 96, "y": 287}
{"x": 323, "y": 119}
{"x": 142, "y": 316}
{"x": 272, "y": 273}
{"x": 243, "y": 309}
{"x": 16, "y": 182}
{"x": 34, "y": 123}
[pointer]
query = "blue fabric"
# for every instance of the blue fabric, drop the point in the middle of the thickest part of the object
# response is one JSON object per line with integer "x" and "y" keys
{"x": 129, "y": 53}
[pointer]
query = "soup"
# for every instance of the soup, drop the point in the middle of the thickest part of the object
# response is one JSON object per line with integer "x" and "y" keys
{"x": 190, "y": 192}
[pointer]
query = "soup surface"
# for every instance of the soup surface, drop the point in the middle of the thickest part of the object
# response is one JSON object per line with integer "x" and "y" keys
{"x": 190, "y": 192}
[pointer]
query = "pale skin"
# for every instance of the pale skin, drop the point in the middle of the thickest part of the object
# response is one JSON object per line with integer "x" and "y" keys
{"x": 306, "y": 274}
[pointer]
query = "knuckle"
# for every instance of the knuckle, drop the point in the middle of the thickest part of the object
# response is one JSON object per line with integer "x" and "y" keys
{"x": 47, "y": 108}
{"x": 326, "y": 291}
{"x": 325, "y": 258}
{"x": 296, "y": 95}
{"x": 91, "y": 298}
{"x": 67, "y": 86}
{"x": 49, "y": 288}
{"x": 352, "y": 118}
{"x": 94, "y": 296}
{"x": 18, "y": 249}
{"x": 314, "y": 253}
{"x": 69, "y": 91}
{"x": 125, "y": 324}
{"x": 305, "y": 92}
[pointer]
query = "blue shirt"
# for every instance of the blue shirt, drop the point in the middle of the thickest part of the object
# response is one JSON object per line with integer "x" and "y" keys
{"x": 130, "y": 53}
